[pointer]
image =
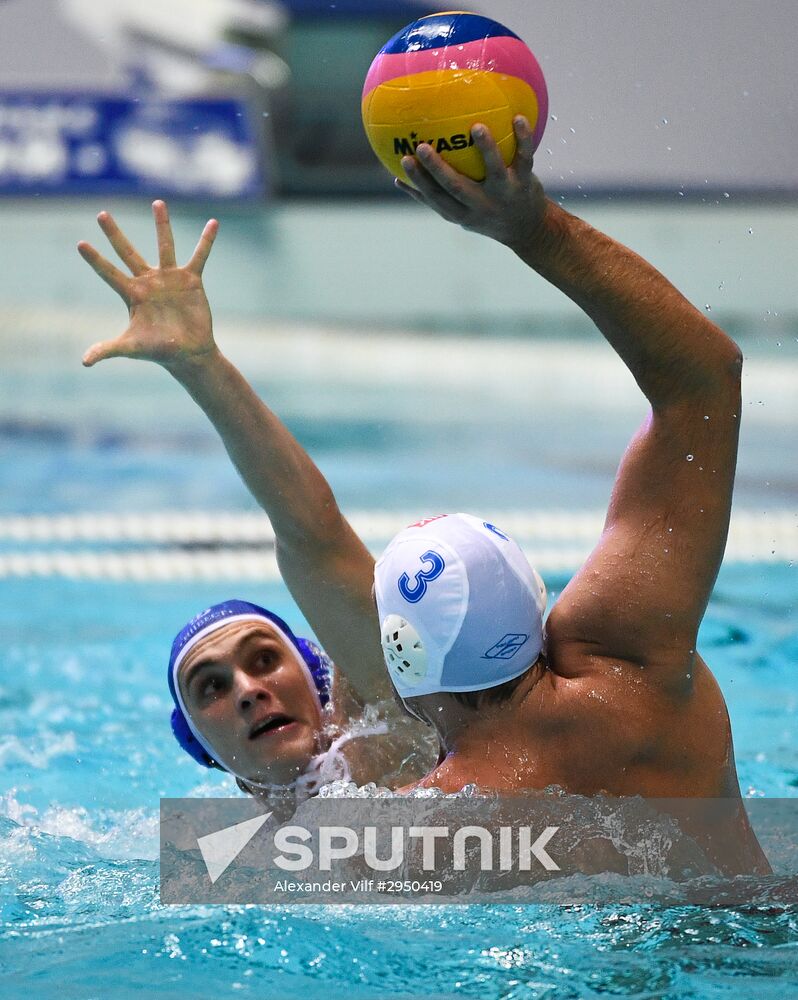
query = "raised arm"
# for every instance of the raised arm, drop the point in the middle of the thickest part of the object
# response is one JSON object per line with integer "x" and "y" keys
{"x": 325, "y": 565}
{"x": 642, "y": 593}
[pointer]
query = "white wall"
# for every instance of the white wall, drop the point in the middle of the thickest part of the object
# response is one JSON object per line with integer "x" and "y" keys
{"x": 721, "y": 72}
{"x": 41, "y": 48}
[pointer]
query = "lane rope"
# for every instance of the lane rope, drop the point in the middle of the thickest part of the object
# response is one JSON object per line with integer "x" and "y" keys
{"x": 234, "y": 545}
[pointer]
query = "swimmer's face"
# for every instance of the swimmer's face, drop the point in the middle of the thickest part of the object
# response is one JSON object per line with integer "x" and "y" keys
{"x": 250, "y": 699}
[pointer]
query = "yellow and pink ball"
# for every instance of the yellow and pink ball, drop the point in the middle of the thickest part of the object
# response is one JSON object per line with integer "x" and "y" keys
{"x": 437, "y": 77}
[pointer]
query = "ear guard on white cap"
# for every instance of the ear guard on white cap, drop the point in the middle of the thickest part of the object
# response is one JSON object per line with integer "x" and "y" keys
{"x": 460, "y": 607}
{"x": 404, "y": 651}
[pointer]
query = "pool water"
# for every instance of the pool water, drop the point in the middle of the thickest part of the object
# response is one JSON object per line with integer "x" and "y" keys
{"x": 84, "y": 742}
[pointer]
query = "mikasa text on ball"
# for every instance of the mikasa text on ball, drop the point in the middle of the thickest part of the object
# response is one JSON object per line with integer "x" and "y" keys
{"x": 437, "y": 77}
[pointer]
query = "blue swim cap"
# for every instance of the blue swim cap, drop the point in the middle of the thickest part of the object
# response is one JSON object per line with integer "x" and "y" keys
{"x": 315, "y": 659}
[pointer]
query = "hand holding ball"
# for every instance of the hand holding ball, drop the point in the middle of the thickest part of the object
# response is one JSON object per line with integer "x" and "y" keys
{"x": 439, "y": 76}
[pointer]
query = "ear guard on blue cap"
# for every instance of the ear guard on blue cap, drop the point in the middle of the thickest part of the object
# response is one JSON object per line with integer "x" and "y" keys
{"x": 320, "y": 666}
{"x": 318, "y": 663}
{"x": 188, "y": 740}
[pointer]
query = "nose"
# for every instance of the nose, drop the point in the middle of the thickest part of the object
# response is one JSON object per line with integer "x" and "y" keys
{"x": 250, "y": 691}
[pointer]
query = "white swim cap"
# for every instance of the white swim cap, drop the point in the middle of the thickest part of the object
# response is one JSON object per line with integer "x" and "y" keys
{"x": 460, "y": 607}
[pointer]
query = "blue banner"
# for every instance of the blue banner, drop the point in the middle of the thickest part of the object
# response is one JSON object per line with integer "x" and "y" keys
{"x": 61, "y": 144}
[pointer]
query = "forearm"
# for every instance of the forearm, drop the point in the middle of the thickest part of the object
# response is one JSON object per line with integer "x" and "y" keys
{"x": 672, "y": 350}
{"x": 276, "y": 469}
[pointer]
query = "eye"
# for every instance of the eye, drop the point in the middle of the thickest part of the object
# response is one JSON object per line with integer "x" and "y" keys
{"x": 210, "y": 686}
{"x": 267, "y": 657}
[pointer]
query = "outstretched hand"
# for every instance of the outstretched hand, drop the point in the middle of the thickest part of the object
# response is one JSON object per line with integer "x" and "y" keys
{"x": 170, "y": 320}
{"x": 507, "y": 206}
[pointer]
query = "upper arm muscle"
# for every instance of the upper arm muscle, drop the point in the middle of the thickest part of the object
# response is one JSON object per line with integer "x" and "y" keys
{"x": 643, "y": 591}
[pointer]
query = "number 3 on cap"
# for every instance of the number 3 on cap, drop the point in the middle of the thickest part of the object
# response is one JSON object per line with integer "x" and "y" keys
{"x": 415, "y": 591}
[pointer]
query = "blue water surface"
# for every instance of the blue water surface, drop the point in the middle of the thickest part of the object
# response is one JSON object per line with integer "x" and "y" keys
{"x": 86, "y": 753}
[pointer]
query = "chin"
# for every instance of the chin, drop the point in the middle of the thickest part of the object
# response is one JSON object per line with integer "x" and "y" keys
{"x": 281, "y": 761}
{"x": 284, "y": 769}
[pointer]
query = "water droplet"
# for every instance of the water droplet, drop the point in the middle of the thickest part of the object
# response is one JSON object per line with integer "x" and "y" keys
{"x": 721, "y": 286}
{"x": 664, "y": 121}
{"x": 553, "y": 117}
{"x": 726, "y": 194}
{"x": 690, "y": 458}
{"x": 750, "y": 232}
{"x": 708, "y": 307}
{"x": 706, "y": 416}
{"x": 572, "y": 131}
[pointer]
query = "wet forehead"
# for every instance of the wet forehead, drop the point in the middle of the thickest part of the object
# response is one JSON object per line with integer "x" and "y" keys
{"x": 221, "y": 644}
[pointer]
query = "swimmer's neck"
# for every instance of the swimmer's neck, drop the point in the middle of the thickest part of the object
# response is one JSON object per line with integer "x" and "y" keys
{"x": 287, "y": 783}
{"x": 467, "y": 734}
{"x": 496, "y": 766}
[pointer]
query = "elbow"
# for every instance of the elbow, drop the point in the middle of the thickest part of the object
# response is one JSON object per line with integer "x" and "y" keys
{"x": 723, "y": 387}
{"x": 732, "y": 357}
{"x": 723, "y": 367}
{"x": 729, "y": 354}
{"x": 736, "y": 363}
{"x": 724, "y": 381}
{"x": 732, "y": 368}
{"x": 712, "y": 372}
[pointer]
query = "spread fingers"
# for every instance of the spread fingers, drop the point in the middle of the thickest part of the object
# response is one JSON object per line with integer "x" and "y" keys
{"x": 111, "y": 275}
{"x": 203, "y": 248}
{"x": 163, "y": 233}
{"x": 124, "y": 248}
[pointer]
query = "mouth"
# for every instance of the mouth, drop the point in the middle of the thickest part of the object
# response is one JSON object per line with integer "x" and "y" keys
{"x": 271, "y": 725}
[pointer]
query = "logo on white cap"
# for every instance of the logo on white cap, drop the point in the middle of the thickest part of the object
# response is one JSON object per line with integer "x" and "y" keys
{"x": 460, "y": 607}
